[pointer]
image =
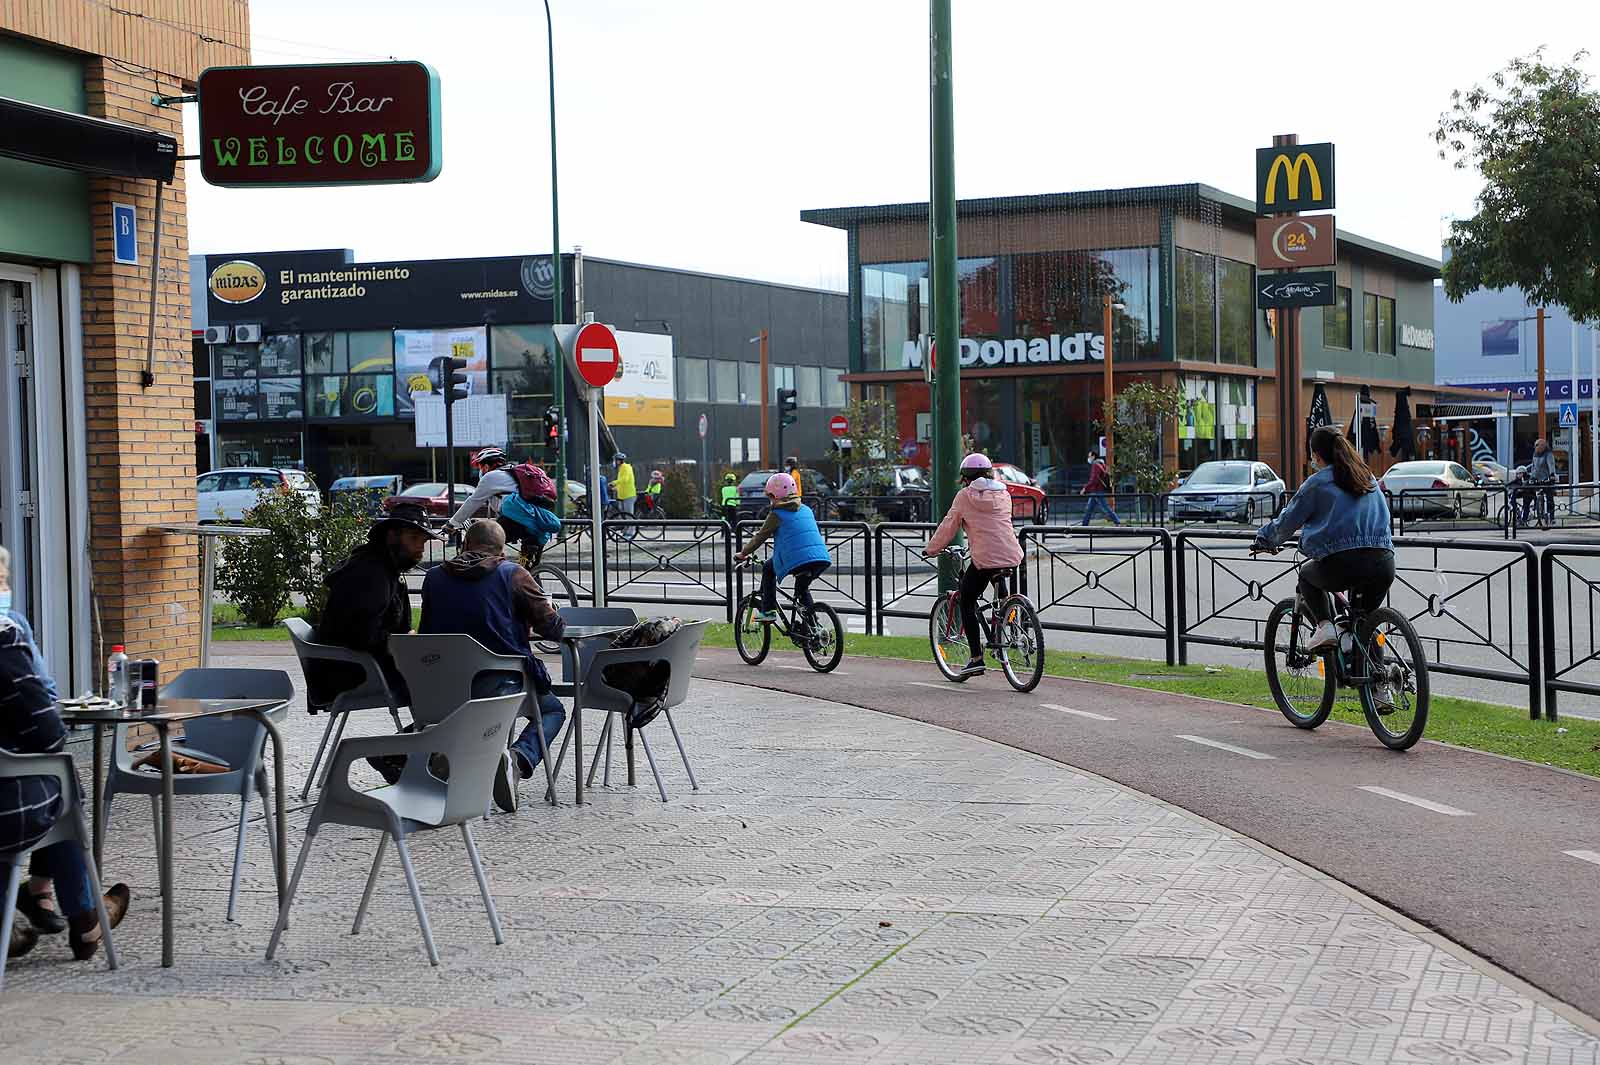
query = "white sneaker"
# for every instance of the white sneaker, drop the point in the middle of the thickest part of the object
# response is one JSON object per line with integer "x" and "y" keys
{"x": 1324, "y": 636}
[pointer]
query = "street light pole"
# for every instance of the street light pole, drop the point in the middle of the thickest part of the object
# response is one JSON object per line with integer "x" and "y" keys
{"x": 1110, "y": 418}
{"x": 560, "y": 384}
{"x": 946, "y": 293}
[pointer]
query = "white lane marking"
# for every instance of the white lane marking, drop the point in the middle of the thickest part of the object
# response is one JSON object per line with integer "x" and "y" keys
{"x": 807, "y": 669}
{"x": 1077, "y": 713}
{"x": 1592, "y": 857}
{"x": 925, "y": 684}
{"x": 1230, "y": 748}
{"x": 1426, "y": 804}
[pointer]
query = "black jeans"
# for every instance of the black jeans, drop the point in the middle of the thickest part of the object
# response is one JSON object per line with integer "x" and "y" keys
{"x": 973, "y": 582}
{"x": 1364, "y": 572}
{"x": 803, "y": 576}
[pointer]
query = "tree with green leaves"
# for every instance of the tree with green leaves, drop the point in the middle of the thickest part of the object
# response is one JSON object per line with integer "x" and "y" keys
{"x": 1141, "y": 413}
{"x": 1533, "y": 134}
{"x": 874, "y": 438}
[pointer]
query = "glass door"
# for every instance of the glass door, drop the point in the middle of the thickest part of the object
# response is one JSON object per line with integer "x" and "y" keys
{"x": 18, "y": 492}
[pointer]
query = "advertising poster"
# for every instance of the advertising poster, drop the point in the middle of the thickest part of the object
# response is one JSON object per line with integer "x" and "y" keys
{"x": 415, "y": 350}
{"x": 237, "y": 399}
{"x": 280, "y": 398}
{"x": 643, "y": 394}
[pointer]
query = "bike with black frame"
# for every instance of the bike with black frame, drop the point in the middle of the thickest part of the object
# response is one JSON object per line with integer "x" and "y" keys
{"x": 1008, "y": 624}
{"x": 817, "y": 632}
{"x": 1379, "y": 654}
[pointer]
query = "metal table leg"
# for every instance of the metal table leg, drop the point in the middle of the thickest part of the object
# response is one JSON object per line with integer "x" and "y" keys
{"x": 627, "y": 744}
{"x": 165, "y": 844}
{"x": 281, "y": 863}
{"x": 577, "y": 737}
{"x": 97, "y": 785}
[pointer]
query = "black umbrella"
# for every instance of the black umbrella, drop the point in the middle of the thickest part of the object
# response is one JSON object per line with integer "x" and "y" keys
{"x": 1402, "y": 442}
{"x": 1321, "y": 414}
{"x": 1368, "y": 440}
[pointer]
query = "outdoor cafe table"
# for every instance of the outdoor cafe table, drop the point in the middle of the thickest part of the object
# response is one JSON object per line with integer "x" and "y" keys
{"x": 574, "y": 636}
{"x": 169, "y": 712}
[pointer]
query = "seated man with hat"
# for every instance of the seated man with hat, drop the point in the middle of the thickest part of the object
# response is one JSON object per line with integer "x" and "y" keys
{"x": 368, "y": 602}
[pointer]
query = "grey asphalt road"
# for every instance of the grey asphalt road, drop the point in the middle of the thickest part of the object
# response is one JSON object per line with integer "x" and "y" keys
{"x": 1502, "y": 857}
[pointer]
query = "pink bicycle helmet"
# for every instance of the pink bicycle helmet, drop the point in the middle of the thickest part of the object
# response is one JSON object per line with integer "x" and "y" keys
{"x": 781, "y": 486}
{"x": 976, "y": 461}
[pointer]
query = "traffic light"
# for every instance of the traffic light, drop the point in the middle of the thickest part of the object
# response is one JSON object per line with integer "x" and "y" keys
{"x": 449, "y": 379}
{"x": 552, "y": 428}
{"x": 788, "y": 400}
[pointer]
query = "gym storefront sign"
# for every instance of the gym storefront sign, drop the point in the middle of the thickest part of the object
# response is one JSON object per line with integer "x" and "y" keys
{"x": 336, "y": 124}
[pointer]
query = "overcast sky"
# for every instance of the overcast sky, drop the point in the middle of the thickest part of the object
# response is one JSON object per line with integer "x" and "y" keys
{"x": 693, "y": 132}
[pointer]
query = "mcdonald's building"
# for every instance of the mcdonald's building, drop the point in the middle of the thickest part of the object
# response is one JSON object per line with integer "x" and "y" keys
{"x": 1181, "y": 262}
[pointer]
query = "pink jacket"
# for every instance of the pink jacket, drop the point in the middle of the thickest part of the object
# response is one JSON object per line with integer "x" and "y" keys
{"x": 983, "y": 508}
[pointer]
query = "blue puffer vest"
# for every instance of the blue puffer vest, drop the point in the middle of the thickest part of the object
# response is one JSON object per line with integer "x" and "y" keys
{"x": 798, "y": 540}
{"x": 483, "y": 609}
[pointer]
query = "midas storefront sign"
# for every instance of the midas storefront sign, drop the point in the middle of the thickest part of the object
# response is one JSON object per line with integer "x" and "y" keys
{"x": 238, "y": 281}
{"x": 1071, "y": 347}
{"x": 340, "y": 124}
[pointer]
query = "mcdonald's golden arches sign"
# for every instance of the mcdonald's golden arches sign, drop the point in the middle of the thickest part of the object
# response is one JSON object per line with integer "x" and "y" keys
{"x": 1294, "y": 177}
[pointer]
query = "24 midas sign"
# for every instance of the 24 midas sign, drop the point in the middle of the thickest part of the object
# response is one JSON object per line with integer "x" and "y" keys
{"x": 1294, "y": 177}
{"x": 334, "y": 124}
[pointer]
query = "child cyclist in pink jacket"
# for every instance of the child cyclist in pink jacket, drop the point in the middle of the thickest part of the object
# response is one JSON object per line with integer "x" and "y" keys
{"x": 983, "y": 509}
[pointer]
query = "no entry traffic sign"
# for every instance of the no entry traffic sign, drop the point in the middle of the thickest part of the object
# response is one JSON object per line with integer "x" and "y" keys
{"x": 838, "y": 425}
{"x": 599, "y": 354}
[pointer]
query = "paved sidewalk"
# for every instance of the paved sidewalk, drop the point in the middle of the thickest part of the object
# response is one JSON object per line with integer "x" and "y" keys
{"x": 845, "y": 887}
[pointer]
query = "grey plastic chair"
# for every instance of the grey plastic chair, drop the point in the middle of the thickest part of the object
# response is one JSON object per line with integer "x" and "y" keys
{"x": 70, "y": 825}
{"x": 588, "y": 615}
{"x": 236, "y": 742}
{"x": 472, "y": 741}
{"x": 440, "y": 671}
{"x": 371, "y": 694}
{"x": 678, "y": 652}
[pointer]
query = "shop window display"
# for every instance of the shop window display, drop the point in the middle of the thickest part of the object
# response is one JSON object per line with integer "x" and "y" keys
{"x": 1197, "y": 424}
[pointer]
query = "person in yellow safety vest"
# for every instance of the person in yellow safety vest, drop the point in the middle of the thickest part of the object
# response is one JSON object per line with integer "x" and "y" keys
{"x": 792, "y": 467}
{"x": 626, "y": 490}
{"x": 653, "y": 491}
{"x": 730, "y": 498}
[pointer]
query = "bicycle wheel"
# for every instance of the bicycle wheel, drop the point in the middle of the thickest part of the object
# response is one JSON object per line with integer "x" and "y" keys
{"x": 1021, "y": 640}
{"x": 753, "y": 638}
{"x": 652, "y": 526}
{"x": 1302, "y": 683}
{"x": 824, "y": 644}
{"x": 558, "y": 588}
{"x": 1396, "y": 664}
{"x": 948, "y": 638}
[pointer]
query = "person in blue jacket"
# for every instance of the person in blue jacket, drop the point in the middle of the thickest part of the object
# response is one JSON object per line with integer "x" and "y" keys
{"x": 797, "y": 546}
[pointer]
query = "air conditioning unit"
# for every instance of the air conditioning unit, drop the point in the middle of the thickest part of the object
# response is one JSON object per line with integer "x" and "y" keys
{"x": 247, "y": 334}
{"x": 216, "y": 334}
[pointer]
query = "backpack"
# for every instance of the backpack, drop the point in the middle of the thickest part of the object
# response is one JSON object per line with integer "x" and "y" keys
{"x": 532, "y": 482}
{"x": 645, "y": 681}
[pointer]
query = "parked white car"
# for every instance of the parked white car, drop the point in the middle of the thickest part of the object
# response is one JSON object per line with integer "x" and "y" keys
{"x": 1434, "y": 489}
{"x": 224, "y": 495}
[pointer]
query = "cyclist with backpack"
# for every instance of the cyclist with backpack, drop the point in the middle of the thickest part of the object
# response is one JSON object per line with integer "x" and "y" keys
{"x": 494, "y": 483}
{"x": 529, "y": 513}
{"x": 983, "y": 509}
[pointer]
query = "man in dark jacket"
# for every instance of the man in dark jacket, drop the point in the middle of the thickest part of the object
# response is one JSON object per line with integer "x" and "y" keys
{"x": 487, "y": 596}
{"x": 368, "y": 602}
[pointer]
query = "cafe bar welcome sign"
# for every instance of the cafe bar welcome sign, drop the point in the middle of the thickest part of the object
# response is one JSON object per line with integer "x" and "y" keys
{"x": 326, "y": 124}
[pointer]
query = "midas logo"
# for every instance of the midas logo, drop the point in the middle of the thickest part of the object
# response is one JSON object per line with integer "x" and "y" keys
{"x": 238, "y": 281}
{"x": 1293, "y": 170}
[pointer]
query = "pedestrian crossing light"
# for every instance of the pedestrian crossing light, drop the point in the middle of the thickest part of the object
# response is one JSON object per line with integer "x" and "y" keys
{"x": 449, "y": 379}
{"x": 788, "y": 401}
{"x": 552, "y": 428}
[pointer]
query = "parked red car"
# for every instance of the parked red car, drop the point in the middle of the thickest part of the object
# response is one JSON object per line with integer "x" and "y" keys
{"x": 431, "y": 496}
{"x": 1027, "y": 498}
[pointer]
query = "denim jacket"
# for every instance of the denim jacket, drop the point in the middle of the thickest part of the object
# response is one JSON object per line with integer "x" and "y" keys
{"x": 1330, "y": 520}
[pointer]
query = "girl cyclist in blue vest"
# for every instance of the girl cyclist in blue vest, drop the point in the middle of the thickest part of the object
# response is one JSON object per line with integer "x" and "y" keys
{"x": 797, "y": 546}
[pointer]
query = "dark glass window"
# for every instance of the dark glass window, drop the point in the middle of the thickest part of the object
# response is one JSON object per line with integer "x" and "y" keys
{"x": 1063, "y": 294}
{"x": 1236, "y": 339}
{"x": 896, "y": 307}
{"x": 1336, "y": 323}
{"x": 1197, "y": 305}
{"x": 1385, "y": 326}
{"x": 521, "y": 360}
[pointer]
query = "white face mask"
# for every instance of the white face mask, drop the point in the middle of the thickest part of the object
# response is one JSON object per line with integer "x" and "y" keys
{"x": 5, "y": 601}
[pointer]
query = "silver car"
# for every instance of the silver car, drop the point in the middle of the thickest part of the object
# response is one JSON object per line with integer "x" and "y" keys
{"x": 1434, "y": 489}
{"x": 1227, "y": 490}
{"x": 224, "y": 495}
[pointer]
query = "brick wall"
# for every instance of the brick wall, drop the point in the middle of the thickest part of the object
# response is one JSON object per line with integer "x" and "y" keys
{"x": 140, "y": 439}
